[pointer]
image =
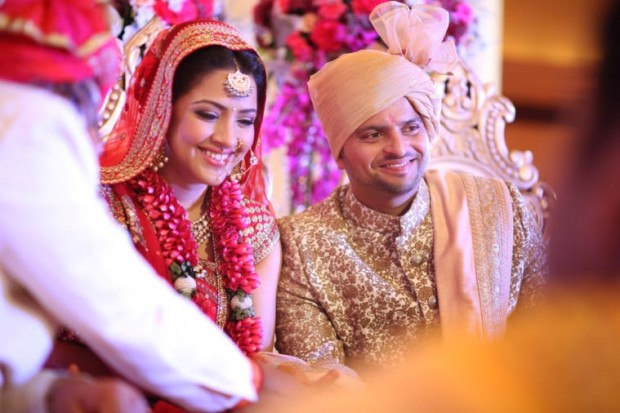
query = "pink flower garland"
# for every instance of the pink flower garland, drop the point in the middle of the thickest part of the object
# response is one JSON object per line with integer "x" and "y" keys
{"x": 180, "y": 250}
{"x": 228, "y": 219}
{"x": 174, "y": 231}
{"x": 461, "y": 18}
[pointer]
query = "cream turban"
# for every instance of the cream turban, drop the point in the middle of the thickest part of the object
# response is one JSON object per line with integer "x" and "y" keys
{"x": 355, "y": 86}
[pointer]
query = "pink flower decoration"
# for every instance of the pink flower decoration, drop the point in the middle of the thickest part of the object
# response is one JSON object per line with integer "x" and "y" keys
{"x": 299, "y": 46}
{"x": 247, "y": 334}
{"x": 328, "y": 35}
{"x": 289, "y": 5}
{"x": 170, "y": 221}
{"x": 262, "y": 13}
{"x": 364, "y": 6}
{"x": 462, "y": 13}
{"x": 284, "y": 4}
{"x": 188, "y": 12}
{"x": 228, "y": 219}
{"x": 332, "y": 11}
{"x": 179, "y": 248}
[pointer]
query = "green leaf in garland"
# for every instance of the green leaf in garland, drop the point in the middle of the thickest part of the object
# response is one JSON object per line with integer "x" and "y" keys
{"x": 175, "y": 271}
{"x": 239, "y": 314}
{"x": 189, "y": 295}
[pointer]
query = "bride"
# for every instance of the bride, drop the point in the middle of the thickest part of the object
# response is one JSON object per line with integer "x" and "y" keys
{"x": 182, "y": 171}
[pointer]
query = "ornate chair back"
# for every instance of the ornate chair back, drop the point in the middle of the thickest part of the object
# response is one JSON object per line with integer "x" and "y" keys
{"x": 133, "y": 51}
{"x": 472, "y": 140}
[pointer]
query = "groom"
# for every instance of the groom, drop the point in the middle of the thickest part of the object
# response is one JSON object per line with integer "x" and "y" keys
{"x": 400, "y": 252}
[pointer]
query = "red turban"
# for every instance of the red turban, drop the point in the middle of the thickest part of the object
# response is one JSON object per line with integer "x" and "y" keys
{"x": 57, "y": 41}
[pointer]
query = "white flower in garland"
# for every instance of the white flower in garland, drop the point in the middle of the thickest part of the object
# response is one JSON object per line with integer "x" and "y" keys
{"x": 185, "y": 286}
{"x": 114, "y": 19}
{"x": 241, "y": 302}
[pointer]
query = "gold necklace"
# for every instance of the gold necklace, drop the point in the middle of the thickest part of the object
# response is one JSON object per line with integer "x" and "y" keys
{"x": 200, "y": 229}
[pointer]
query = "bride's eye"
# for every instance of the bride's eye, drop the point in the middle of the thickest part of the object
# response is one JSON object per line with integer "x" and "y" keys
{"x": 207, "y": 115}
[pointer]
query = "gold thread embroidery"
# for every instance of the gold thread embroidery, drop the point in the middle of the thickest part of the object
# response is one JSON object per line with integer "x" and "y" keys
{"x": 487, "y": 215}
{"x": 29, "y": 29}
{"x": 133, "y": 222}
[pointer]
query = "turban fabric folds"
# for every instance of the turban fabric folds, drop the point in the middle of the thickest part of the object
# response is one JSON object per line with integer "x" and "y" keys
{"x": 57, "y": 41}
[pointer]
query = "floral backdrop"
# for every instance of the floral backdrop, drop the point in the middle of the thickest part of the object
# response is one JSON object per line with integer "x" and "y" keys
{"x": 296, "y": 38}
{"x": 129, "y": 16}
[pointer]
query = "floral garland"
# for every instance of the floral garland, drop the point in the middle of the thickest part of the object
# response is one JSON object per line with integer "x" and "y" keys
{"x": 303, "y": 35}
{"x": 228, "y": 219}
{"x": 180, "y": 250}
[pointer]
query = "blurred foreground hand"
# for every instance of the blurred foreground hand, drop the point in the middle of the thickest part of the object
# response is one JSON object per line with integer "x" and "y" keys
{"x": 80, "y": 394}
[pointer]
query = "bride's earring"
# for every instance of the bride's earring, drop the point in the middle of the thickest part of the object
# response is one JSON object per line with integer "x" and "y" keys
{"x": 253, "y": 158}
{"x": 160, "y": 159}
{"x": 239, "y": 171}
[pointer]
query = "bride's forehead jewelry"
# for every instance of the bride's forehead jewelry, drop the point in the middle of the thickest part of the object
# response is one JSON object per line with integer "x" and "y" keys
{"x": 238, "y": 84}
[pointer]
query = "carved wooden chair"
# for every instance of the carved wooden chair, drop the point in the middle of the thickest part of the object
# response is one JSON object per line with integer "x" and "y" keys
{"x": 472, "y": 140}
{"x": 133, "y": 51}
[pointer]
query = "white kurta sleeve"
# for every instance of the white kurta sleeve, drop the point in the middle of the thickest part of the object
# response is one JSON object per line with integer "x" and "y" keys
{"x": 58, "y": 240}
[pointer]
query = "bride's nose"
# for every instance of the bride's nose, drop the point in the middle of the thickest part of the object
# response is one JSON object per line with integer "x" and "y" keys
{"x": 224, "y": 134}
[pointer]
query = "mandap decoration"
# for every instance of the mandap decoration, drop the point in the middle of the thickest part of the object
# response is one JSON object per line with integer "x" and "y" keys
{"x": 129, "y": 16}
{"x": 297, "y": 37}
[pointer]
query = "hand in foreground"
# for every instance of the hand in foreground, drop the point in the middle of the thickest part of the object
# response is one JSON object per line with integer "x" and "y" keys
{"x": 278, "y": 386}
{"x": 79, "y": 394}
{"x": 286, "y": 378}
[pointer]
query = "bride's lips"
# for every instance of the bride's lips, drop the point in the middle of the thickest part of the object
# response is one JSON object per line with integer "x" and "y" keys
{"x": 215, "y": 157}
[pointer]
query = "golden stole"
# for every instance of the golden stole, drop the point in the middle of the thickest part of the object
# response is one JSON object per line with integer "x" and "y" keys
{"x": 473, "y": 231}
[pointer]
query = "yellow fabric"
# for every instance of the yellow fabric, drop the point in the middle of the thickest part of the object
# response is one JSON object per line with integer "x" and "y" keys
{"x": 562, "y": 357}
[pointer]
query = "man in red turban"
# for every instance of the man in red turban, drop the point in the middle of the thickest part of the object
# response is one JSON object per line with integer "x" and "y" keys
{"x": 63, "y": 258}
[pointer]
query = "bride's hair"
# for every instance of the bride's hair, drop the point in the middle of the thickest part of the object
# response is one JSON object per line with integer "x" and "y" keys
{"x": 208, "y": 59}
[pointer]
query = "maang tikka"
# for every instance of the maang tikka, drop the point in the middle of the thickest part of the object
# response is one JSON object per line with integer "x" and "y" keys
{"x": 238, "y": 84}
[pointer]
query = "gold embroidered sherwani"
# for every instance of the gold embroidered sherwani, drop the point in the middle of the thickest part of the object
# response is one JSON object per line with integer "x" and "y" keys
{"x": 358, "y": 286}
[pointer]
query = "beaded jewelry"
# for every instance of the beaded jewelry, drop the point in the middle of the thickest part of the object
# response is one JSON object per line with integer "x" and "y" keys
{"x": 238, "y": 84}
{"x": 200, "y": 229}
{"x": 160, "y": 159}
